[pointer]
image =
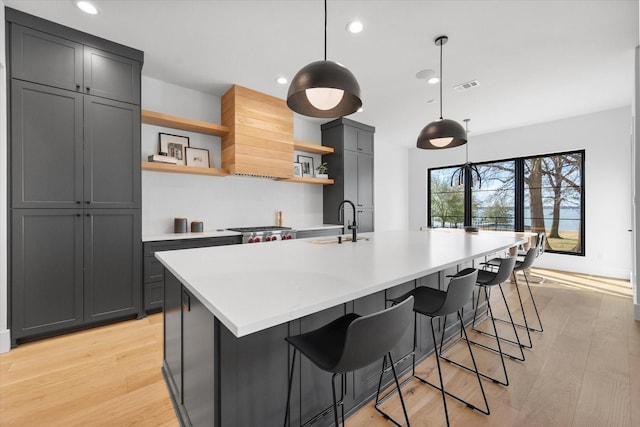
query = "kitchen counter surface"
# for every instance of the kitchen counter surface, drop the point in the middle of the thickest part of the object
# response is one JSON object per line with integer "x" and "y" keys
{"x": 318, "y": 227}
{"x": 250, "y": 288}
{"x": 182, "y": 236}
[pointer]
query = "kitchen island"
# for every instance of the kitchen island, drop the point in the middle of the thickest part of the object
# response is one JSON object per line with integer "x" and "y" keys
{"x": 228, "y": 310}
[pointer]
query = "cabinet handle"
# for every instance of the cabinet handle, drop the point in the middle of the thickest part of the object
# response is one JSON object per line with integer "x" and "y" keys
{"x": 77, "y": 86}
{"x": 78, "y": 202}
{"x": 88, "y": 89}
{"x": 78, "y": 215}
{"x": 88, "y": 202}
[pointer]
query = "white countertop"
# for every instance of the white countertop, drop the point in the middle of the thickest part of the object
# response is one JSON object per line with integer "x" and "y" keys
{"x": 250, "y": 288}
{"x": 182, "y": 236}
{"x": 223, "y": 233}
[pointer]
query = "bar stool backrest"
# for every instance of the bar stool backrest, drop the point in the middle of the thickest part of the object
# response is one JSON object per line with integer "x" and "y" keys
{"x": 542, "y": 243}
{"x": 459, "y": 292}
{"x": 529, "y": 258}
{"x": 504, "y": 271}
{"x": 369, "y": 338}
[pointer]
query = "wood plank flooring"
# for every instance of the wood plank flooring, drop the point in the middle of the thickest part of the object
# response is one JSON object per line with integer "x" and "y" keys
{"x": 584, "y": 370}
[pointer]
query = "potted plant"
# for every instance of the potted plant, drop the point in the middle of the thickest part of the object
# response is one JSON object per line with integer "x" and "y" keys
{"x": 322, "y": 171}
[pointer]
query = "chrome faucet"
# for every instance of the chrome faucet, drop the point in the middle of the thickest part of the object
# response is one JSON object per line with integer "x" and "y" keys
{"x": 353, "y": 227}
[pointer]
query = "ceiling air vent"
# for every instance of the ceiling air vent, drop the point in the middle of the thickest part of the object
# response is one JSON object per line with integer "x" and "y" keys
{"x": 466, "y": 86}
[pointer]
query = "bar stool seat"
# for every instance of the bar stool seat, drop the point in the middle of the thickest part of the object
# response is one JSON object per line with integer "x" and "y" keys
{"x": 349, "y": 343}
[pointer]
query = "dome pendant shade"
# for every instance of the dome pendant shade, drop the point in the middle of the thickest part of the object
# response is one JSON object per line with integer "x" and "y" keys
{"x": 442, "y": 133}
{"x": 307, "y": 97}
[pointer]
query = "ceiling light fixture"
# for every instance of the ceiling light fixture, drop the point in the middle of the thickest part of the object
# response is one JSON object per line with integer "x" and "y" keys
{"x": 87, "y": 7}
{"x": 282, "y": 80}
{"x": 428, "y": 75}
{"x": 441, "y": 133}
{"x": 324, "y": 89}
{"x": 355, "y": 27}
{"x": 468, "y": 169}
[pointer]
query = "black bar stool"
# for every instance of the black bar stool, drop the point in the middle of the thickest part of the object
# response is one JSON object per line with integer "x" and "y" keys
{"x": 349, "y": 343}
{"x": 435, "y": 303}
{"x": 523, "y": 265}
{"x": 486, "y": 280}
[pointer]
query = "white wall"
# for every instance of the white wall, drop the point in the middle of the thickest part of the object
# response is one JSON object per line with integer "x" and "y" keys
{"x": 244, "y": 201}
{"x": 5, "y": 337}
{"x": 391, "y": 186}
{"x": 605, "y": 137}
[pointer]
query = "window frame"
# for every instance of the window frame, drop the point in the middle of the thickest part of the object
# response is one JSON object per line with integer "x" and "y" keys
{"x": 519, "y": 194}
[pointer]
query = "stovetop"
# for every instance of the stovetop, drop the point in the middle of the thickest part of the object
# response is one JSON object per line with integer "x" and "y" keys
{"x": 258, "y": 229}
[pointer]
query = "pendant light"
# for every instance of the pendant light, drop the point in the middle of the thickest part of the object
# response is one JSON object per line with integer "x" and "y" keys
{"x": 441, "y": 133}
{"x": 324, "y": 89}
{"x": 468, "y": 169}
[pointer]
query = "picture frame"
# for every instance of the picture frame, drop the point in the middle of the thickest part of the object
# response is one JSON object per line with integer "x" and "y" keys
{"x": 307, "y": 165}
{"x": 197, "y": 157}
{"x": 174, "y": 146}
{"x": 297, "y": 169}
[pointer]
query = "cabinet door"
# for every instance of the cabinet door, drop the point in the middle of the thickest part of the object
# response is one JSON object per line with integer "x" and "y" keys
{"x": 365, "y": 181}
{"x": 46, "y": 270}
{"x": 113, "y": 252}
{"x": 365, "y": 220}
{"x": 199, "y": 374}
{"x": 46, "y": 147}
{"x": 172, "y": 309}
{"x": 111, "y": 154}
{"x": 351, "y": 176}
{"x": 43, "y": 58}
{"x": 111, "y": 76}
{"x": 365, "y": 142}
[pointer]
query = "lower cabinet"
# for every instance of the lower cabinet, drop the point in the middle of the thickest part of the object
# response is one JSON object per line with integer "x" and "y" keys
{"x": 321, "y": 232}
{"x": 73, "y": 267}
{"x": 153, "y": 274}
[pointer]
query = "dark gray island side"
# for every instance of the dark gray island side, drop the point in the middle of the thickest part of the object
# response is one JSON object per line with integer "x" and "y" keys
{"x": 228, "y": 309}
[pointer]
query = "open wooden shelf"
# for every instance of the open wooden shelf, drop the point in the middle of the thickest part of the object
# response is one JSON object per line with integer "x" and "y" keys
{"x": 175, "y": 122}
{"x": 308, "y": 180}
{"x": 165, "y": 167}
{"x": 309, "y": 147}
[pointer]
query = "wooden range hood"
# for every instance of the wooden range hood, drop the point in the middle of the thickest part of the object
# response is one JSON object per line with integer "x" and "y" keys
{"x": 260, "y": 138}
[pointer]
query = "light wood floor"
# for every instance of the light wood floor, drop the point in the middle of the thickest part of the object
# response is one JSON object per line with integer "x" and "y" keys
{"x": 583, "y": 371}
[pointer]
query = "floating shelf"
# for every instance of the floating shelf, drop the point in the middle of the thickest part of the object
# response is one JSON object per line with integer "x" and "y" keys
{"x": 309, "y": 147}
{"x": 307, "y": 180}
{"x": 175, "y": 122}
{"x": 165, "y": 167}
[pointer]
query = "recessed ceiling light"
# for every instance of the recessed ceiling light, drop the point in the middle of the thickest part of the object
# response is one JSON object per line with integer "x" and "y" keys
{"x": 87, "y": 7}
{"x": 355, "y": 27}
{"x": 282, "y": 80}
{"x": 428, "y": 75}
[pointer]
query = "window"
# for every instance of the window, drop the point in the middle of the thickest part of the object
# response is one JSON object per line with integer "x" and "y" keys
{"x": 538, "y": 193}
{"x": 447, "y": 199}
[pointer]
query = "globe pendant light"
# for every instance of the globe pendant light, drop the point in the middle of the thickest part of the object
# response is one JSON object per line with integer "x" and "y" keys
{"x": 441, "y": 133}
{"x": 324, "y": 89}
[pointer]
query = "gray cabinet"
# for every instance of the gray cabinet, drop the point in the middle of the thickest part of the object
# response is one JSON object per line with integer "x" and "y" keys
{"x": 112, "y": 264}
{"x": 74, "y": 175}
{"x": 43, "y": 58}
{"x": 70, "y": 150}
{"x": 352, "y": 169}
{"x": 72, "y": 267}
{"x": 153, "y": 273}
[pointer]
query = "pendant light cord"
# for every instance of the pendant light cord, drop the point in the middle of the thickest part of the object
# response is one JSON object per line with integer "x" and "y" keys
{"x": 441, "y": 43}
{"x": 325, "y": 31}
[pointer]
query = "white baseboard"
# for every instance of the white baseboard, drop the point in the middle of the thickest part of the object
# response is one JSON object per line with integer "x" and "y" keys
{"x": 5, "y": 341}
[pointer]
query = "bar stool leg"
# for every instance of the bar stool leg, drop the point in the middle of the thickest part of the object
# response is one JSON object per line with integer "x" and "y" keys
{"x": 533, "y": 301}
{"x": 437, "y": 353}
{"x": 335, "y": 406}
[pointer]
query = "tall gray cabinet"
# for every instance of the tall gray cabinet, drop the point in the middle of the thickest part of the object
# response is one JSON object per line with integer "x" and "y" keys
{"x": 75, "y": 246}
{"x": 351, "y": 167}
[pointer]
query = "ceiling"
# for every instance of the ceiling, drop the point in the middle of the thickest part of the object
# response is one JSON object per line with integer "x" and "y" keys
{"x": 535, "y": 61}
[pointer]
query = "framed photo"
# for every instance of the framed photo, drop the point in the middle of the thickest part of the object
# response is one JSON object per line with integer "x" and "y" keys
{"x": 297, "y": 169}
{"x": 307, "y": 165}
{"x": 198, "y": 157}
{"x": 174, "y": 146}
